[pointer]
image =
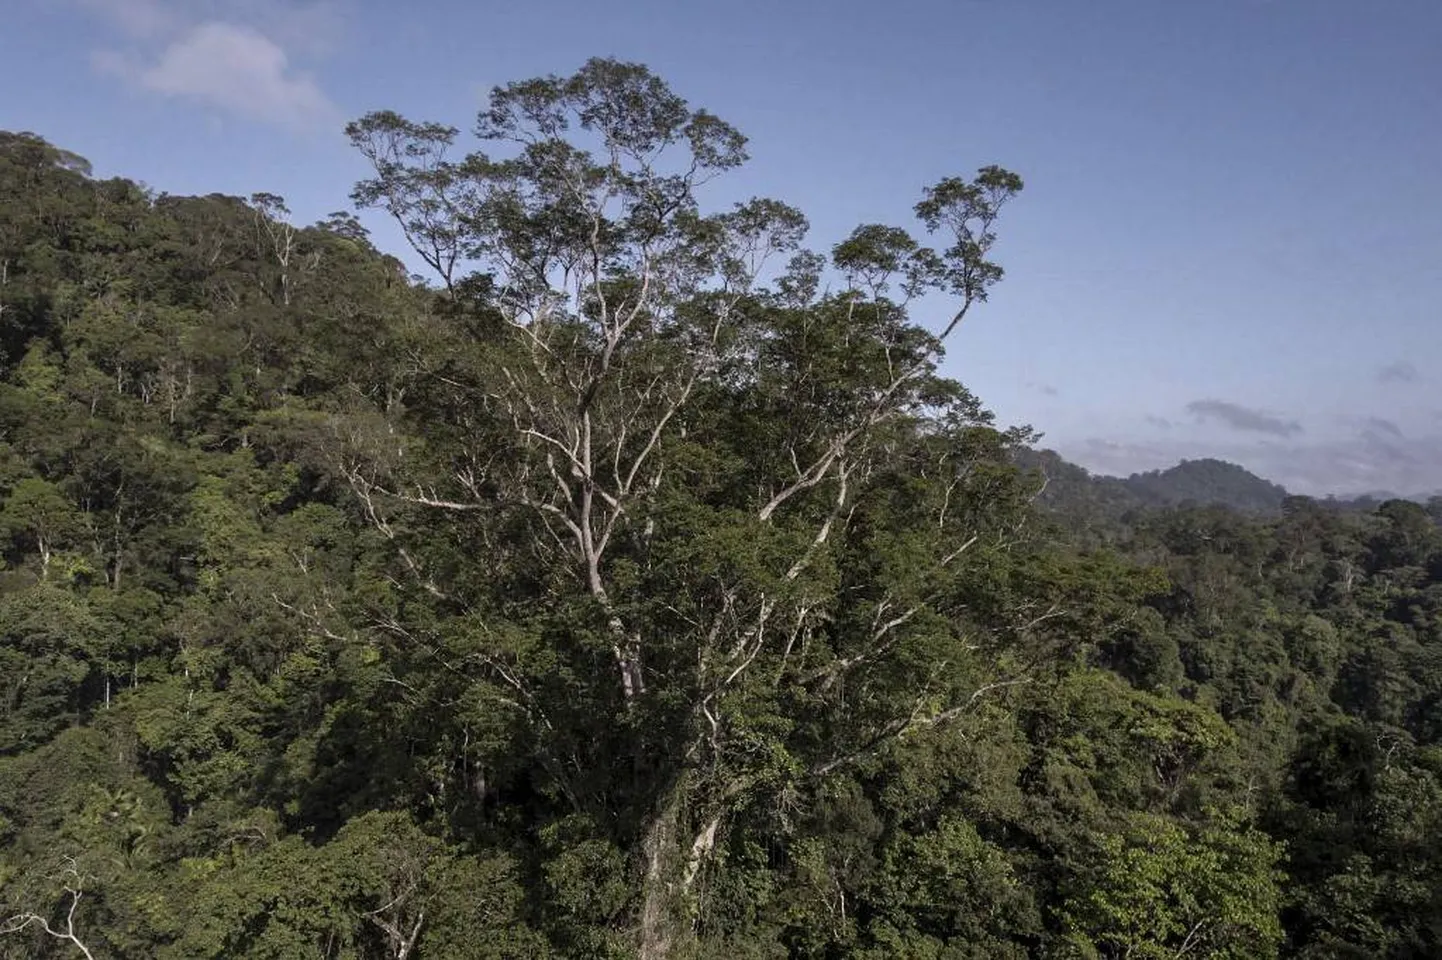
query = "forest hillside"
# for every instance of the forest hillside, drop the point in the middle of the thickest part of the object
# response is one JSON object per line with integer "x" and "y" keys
{"x": 637, "y": 586}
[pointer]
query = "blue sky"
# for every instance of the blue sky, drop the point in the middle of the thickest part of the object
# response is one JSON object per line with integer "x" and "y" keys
{"x": 1230, "y": 243}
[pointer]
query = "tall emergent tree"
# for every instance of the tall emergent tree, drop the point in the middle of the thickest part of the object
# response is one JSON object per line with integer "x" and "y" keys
{"x": 718, "y": 530}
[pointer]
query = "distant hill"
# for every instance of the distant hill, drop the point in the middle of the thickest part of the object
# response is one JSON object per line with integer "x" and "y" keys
{"x": 1074, "y": 490}
{"x": 1210, "y": 482}
{"x": 1085, "y": 501}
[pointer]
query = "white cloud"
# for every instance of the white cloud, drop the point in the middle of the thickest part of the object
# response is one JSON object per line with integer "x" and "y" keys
{"x": 236, "y": 69}
{"x": 236, "y": 56}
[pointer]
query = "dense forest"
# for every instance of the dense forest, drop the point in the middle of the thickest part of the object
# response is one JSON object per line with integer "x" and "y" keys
{"x": 637, "y": 586}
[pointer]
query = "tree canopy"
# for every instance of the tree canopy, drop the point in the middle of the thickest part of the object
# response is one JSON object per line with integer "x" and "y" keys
{"x": 639, "y": 586}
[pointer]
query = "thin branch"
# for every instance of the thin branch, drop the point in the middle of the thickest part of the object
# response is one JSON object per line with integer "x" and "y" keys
{"x": 74, "y": 887}
{"x": 900, "y": 729}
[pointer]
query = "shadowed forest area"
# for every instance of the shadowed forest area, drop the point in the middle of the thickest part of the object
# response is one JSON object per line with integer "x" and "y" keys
{"x": 637, "y": 585}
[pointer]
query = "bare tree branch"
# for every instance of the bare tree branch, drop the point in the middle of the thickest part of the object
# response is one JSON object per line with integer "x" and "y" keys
{"x": 74, "y": 888}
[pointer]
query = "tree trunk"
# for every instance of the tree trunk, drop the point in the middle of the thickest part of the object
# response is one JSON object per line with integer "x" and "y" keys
{"x": 662, "y": 919}
{"x": 674, "y": 852}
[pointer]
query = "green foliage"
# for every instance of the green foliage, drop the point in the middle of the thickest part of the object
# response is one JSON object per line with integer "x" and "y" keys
{"x": 1157, "y": 891}
{"x": 644, "y": 590}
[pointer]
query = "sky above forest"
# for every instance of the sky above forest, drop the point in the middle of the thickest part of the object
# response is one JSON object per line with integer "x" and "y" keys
{"x": 1230, "y": 243}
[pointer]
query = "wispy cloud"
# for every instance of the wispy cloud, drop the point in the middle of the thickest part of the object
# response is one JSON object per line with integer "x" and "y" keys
{"x": 1242, "y": 418}
{"x": 1161, "y": 422}
{"x": 1399, "y": 372}
{"x": 235, "y": 56}
{"x": 1379, "y": 425}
